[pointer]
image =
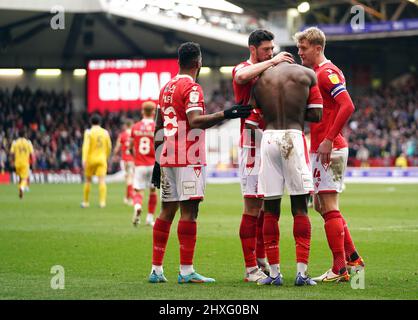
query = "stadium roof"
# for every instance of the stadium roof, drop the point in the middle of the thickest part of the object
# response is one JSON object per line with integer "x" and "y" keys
{"x": 98, "y": 29}
{"x": 112, "y": 29}
{"x": 326, "y": 10}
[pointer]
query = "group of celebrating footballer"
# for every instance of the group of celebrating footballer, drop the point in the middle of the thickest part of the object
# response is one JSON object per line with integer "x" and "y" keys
{"x": 273, "y": 96}
{"x": 284, "y": 95}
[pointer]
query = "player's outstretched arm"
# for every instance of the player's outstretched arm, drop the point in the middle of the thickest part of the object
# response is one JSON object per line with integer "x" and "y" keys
{"x": 248, "y": 73}
{"x": 197, "y": 120}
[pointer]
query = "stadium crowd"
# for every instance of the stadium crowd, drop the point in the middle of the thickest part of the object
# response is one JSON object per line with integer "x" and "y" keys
{"x": 381, "y": 131}
{"x": 384, "y": 126}
{"x": 56, "y": 131}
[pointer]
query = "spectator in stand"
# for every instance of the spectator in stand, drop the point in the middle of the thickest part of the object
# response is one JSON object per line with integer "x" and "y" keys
{"x": 363, "y": 155}
{"x": 3, "y": 160}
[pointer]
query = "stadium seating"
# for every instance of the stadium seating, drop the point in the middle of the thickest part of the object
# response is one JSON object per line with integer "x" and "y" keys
{"x": 383, "y": 126}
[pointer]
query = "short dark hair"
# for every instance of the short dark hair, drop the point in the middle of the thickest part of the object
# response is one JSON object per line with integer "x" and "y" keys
{"x": 188, "y": 54}
{"x": 258, "y": 36}
{"x": 21, "y": 133}
{"x": 95, "y": 119}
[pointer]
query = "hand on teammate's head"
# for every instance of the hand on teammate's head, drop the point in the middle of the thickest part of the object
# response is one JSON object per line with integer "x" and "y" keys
{"x": 283, "y": 57}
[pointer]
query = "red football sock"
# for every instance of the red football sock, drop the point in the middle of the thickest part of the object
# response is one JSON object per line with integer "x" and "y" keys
{"x": 160, "y": 234}
{"x": 152, "y": 203}
{"x": 129, "y": 191}
{"x": 271, "y": 234}
{"x": 334, "y": 229}
{"x": 259, "y": 251}
{"x": 186, "y": 232}
{"x": 348, "y": 242}
{"x": 247, "y": 234}
{"x": 137, "y": 198}
{"x": 302, "y": 235}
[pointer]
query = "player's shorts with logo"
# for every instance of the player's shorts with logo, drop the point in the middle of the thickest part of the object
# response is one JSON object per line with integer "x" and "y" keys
{"x": 329, "y": 178}
{"x": 127, "y": 166}
{"x": 22, "y": 171}
{"x": 284, "y": 162}
{"x": 183, "y": 183}
{"x": 95, "y": 169}
{"x": 142, "y": 177}
{"x": 248, "y": 172}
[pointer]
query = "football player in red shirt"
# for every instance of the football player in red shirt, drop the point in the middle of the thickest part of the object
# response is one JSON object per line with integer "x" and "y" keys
{"x": 142, "y": 149}
{"x": 329, "y": 153}
{"x": 180, "y": 161}
{"x": 245, "y": 74}
{"x": 126, "y": 162}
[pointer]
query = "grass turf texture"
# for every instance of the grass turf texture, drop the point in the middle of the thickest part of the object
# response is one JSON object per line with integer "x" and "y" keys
{"x": 106, "y": 258}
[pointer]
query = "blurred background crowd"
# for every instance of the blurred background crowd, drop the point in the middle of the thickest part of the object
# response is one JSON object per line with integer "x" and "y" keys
{"x": 381, "y": 132}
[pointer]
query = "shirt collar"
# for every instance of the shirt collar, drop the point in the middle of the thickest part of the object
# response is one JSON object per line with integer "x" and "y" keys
{"x": 321, "y": 64}
{"x": 184, "y": 76}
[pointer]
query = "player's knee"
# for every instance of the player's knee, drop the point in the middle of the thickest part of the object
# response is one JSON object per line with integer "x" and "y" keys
{"x": 167, "y": 215}
{"x": 299, "y": 211}
{"x": 252, "y": 206}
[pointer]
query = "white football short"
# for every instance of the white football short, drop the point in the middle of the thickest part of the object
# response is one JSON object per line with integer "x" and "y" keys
{"x": 142, "y": 177}
{"x": 330, "y": 178}
{"x": 127, "y": 166}
{"x": 249, "y": 167}
{"x": 183, "y": 183}
{"x": 284, "y": 162}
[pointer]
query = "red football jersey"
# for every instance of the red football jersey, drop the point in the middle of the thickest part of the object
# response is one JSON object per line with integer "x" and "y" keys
{"x": 124, "y": 138}
{"x": 142, "y": 134}
{"x": 242, "y": 93}
{"x": 183, "y": 146}
{"x": 331, "y": 83}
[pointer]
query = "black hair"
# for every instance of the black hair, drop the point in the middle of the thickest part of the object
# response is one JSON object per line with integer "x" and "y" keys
{"x": 258, "y": 36}
{"x": 95, "y": 119}
{"x": 21, "y": 133}
{"x": 189, "y": 54}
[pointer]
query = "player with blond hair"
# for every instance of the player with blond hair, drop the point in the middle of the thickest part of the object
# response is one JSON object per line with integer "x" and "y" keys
{"x": 22, "y": 152}
{"x": 329, "y": 153}
{"x": 142, "y": 149}
{"x": 96, "y": 150}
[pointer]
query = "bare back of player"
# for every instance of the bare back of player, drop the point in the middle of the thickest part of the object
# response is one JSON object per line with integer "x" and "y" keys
{"x": 287, "y": 95}
{"x": 282, "y": 92}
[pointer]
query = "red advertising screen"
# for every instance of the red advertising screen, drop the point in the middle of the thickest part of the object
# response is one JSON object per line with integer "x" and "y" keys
{"x": 114, "y": 85}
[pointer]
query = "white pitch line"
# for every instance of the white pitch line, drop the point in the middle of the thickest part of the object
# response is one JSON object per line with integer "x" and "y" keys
{"x": 413, "y": 228}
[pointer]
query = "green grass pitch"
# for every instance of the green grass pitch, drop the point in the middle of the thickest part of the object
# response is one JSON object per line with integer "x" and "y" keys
{"x": 104, "y": 257}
